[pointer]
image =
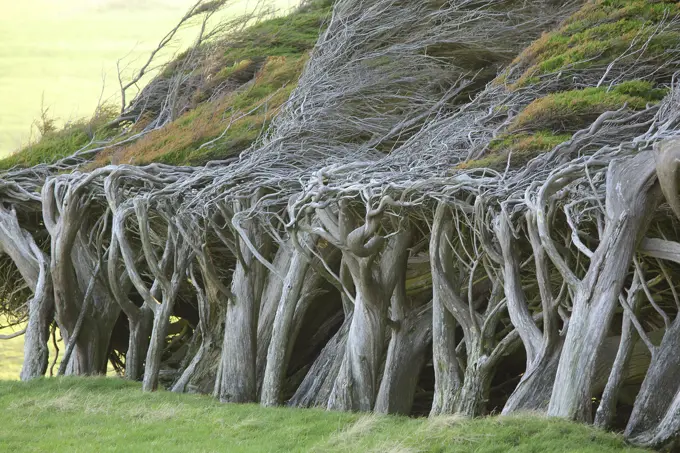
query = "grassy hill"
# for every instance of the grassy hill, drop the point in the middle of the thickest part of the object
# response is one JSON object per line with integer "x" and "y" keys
{"x": 104, "y": 414}
{"x": 261, "y": 63}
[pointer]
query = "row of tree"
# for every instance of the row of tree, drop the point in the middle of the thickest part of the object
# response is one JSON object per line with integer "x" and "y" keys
{"x": 348, "y": 250}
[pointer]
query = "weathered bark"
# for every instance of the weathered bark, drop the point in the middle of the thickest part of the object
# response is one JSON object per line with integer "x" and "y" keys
{"x": 356, "y": 386}
{"x": 656, "y": 416}
{"x": 661, "y": 381}
{"x": 281, "y": 331}
{"x": 238, "y": 379}
{"x": 32, "y": 264}
{"x": 518, "y": 307}
{"x": 100, "y": 311}
{"x": 444, "y": 358}
{"x": 406, "y": 352}
{"x": 316, "y": 387}
{"x": 474, "y": 392}
{"x": 271, "y": 297}
{"x": 138, "y": 343}
{"x": 161, "y": 314}
{"x": 535, "y": 386}
{"x": 631, "y": 197}
{"x": 209, "y": 297}
{"x": 606, "y": 411}
{"x": 40, "y": 316}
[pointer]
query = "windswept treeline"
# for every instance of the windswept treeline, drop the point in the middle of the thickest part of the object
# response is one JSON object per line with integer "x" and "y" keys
{"x": 443, "y": 218}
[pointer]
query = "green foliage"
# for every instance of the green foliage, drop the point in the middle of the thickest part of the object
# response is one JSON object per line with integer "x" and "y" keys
{"x": 551, "y": 120}
{"x": 244, "y": 112}
{"x": 572, "y": 110}
{"x": 600, "y": 32}
{"x": 103, "y": 414}
{"x": 519, "y": 148}
{"x": 54, "y": 145}
{"x": 283, "y": 36}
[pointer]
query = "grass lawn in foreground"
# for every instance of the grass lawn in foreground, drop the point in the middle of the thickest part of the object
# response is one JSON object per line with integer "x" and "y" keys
{"x": 108, "y": 414}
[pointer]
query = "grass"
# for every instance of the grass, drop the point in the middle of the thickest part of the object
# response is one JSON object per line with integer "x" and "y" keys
{"x": 601, "y": 31}
{"x": 569, "y": 111}
{"x": 264, "y": 63}
{"x": 592, "y": 38}
{"x": 57, "y": 144}
{"x": 11, "y": 352}
{"x": 245, "y": 112}
{"x": 105, "y": 414}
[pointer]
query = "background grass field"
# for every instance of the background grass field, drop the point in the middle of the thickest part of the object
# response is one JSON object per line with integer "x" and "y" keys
{"x": 104, "y": 414}
{"x": 66, "y": 51}
{"x": 11, "y": 353}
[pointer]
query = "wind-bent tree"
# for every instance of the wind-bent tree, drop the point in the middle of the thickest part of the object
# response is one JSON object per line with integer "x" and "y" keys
{"x": 436, "y": 221}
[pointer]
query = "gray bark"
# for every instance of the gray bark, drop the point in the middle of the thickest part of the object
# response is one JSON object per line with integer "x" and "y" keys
{"x": 238, "y": 380}
{"x": 281, "y": 331}
{"x": 631, "y": 197}
{"x": 410, "y": 338}
{"x": 444, "y": 358}
{"x": 356, "y": 386}
{"x": 316, "y": 387}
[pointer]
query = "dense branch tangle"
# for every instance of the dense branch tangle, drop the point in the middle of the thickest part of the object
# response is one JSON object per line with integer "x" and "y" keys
{"x": 352, "y": 258}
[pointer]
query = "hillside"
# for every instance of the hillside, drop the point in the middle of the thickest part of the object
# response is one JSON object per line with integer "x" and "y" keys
{"x": 77, "y": 415}
{"x": 425, "y": 208}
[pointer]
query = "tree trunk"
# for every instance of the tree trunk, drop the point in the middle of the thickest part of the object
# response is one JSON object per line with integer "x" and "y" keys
{"x": 138, "y": 344}
{"x": 239, "y": 375}
{"x": 316, "y": 387}
{"x": 606, "y": 411}
{"x": 36, "y": 351}
{"x": 31, "y": 262}
{"x": 90, "y": 355}
{"x": 356, "y": 386}
{"x": 40, "y": 317}
{"x": 472, "y": 398}
{"x": 271, "y": 297}
{"x": 661, "y": 381}
{"x": 444, "y": 357}
{"x": 279, "y": 346}
{"x": 536, "y": 385}
{"x": 631, "y": 197}
{"x": 408, "y": 345}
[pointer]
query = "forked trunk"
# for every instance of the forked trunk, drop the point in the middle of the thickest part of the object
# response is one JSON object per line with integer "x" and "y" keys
{"x": 405, "y": 359}
{"x": 631, "y": 197}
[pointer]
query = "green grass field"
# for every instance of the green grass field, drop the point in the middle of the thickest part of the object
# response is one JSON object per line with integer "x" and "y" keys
{"x": 11, "y": 354}
{"x": 66, "y": 51}
{"x": 106, "y": 414}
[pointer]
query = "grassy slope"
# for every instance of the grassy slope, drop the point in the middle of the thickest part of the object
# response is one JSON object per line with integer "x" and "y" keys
{"x": 100, "y": 414}
{"x": 597, "y": 34}
{"x": 279, "y": 49}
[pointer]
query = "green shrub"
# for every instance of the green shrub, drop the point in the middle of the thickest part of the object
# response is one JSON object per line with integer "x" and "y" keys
{"x": 569, "y": 111}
